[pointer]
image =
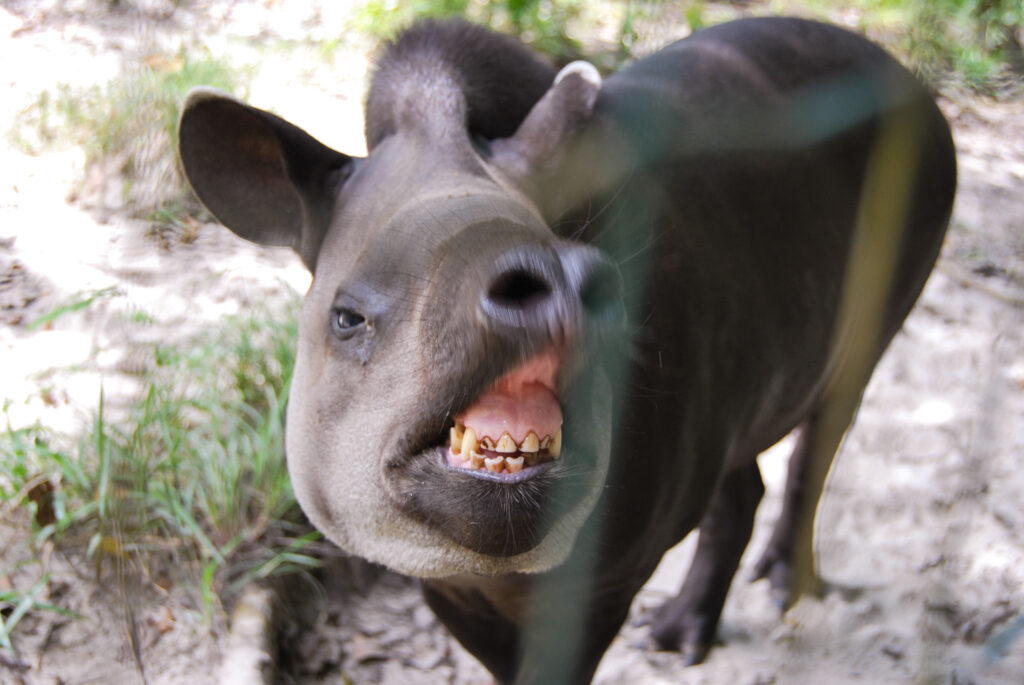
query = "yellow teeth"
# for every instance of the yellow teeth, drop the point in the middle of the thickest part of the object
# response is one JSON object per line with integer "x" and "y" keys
{"x": 476, "y": 460}
{"x": 487, "y": 442}
{"x": 514, "y": 464}
{"x": 469, "y": 443}
{"x": 530, "y": 443}
{"x": 456, "y": 435}
{"x": 506, "y": 444}
{"x": 494, "y": 464}
{"x": 555, "y": 448}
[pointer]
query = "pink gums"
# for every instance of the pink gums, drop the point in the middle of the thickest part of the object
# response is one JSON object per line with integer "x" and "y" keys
{"x": 521, "y": 401}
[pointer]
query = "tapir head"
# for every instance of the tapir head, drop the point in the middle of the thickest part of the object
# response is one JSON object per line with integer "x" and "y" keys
{"x": 450, "y": 411}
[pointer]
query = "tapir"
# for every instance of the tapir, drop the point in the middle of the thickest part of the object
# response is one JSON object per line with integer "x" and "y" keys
{"x": 554, "y": 318}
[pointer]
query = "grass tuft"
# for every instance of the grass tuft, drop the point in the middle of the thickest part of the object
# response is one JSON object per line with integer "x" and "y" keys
{"x": 973, "y": 45}
{"x": 127, "y": 130}
{"x": 190, "y": 488}
{"x": 545, "y": 25}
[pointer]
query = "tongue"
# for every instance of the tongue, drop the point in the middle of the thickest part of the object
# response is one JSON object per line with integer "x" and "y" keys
{"x": 519, "y": 402}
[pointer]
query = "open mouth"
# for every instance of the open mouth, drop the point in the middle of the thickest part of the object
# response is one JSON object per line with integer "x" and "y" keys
{"x": 514, "y": 426}
{"x": 501, "y": 475}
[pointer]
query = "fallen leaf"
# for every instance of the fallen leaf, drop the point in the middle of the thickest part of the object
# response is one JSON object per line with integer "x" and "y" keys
{"x": 42, "y": 494}
{"x": 162, "y": 619}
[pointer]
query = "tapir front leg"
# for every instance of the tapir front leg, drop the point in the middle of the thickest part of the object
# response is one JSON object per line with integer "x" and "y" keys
{"x": 477, "y": 625}
{"x": 558, "y": 639}
{"x": 687, "y": 622}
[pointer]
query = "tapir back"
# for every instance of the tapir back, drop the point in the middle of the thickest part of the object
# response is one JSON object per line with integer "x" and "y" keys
{"x": 735, "y": 168}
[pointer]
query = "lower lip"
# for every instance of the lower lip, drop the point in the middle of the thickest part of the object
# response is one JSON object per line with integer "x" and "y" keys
{"x": 483, "y": 474}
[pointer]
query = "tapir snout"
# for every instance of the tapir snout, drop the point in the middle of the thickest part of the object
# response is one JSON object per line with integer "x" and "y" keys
{"x": 555, "y": 294}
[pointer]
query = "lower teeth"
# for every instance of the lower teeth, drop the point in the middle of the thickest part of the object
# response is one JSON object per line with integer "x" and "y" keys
{"x": 496, "y": 463}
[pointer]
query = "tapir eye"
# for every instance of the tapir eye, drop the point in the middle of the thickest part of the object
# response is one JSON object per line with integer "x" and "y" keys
{"x": 346, "y": 322}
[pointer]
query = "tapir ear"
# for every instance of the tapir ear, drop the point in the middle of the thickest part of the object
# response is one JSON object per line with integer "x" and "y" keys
{"x": 552, "y": 121}
{"x": 265, "y": 179}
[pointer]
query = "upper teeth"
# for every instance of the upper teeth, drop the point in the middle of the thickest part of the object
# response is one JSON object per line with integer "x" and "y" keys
{"x": 469, "y": 443}
{"x": 506, "y": 444}
{"x": 530, "y": 443}
{"x": 556, "y": 444}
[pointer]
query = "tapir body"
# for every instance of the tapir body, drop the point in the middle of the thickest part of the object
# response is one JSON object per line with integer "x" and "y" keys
{"x": 640, "y": 284}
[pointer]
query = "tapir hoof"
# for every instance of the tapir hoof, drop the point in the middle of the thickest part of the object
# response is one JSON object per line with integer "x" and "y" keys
{"x": 779, "y": 574}
{"x": 678, "y": 627}
{"x": 693, "y": 654}
{"x": 786, "y": 586}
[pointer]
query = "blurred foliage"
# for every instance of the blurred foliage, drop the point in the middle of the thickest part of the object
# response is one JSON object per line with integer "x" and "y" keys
{"x": 543, "y": 24}
{"x": 127, "y": 128}
{"x": 973, "y": 44}
{"x": 21, "y": 602}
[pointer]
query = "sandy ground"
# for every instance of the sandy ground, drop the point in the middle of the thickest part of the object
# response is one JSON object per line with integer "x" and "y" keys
{"x": 920, "y": 536}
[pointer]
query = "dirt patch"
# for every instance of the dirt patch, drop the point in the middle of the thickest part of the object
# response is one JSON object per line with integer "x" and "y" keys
{"x": 921, "y": 533}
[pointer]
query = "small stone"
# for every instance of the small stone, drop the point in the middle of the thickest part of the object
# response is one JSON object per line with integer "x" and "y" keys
{"x": 423, "y": 617}
{"x": 427, "y": 653}
{"x": 362, "y": 649}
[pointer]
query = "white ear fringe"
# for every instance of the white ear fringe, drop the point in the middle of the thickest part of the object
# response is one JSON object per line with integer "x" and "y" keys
{"x": 201, "y": 93}
{"x": 587, "y": 71}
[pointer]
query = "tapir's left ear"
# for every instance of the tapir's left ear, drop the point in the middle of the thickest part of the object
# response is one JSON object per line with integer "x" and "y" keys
{"x": 538, "y": 142}
{"x": 265, "y": 179}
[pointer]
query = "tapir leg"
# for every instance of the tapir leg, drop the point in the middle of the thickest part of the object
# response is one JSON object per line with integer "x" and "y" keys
{"x": 558, "y": 646}
{"x": 904, "y": 208}
{"x": 775, "y": 563}
{"x": 490, "y": 637}
{"x": 788, "y": 560}
{"x": 688, "y": 621}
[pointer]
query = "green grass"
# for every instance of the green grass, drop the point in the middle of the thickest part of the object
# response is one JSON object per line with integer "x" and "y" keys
{"x": 145, "y": 98}
{"x": 546, "y": 25}
{"x": 22, "y": 602}
{"x": 966, "y": 44}
{"x": 190, "y": 484}
{"x": 77, "y": 303}
{"x": 127, "y": 128}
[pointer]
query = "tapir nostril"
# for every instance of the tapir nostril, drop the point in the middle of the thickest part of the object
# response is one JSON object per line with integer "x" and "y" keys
{"x": 556, "y": 292}
{"x": 518, "y": 288}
